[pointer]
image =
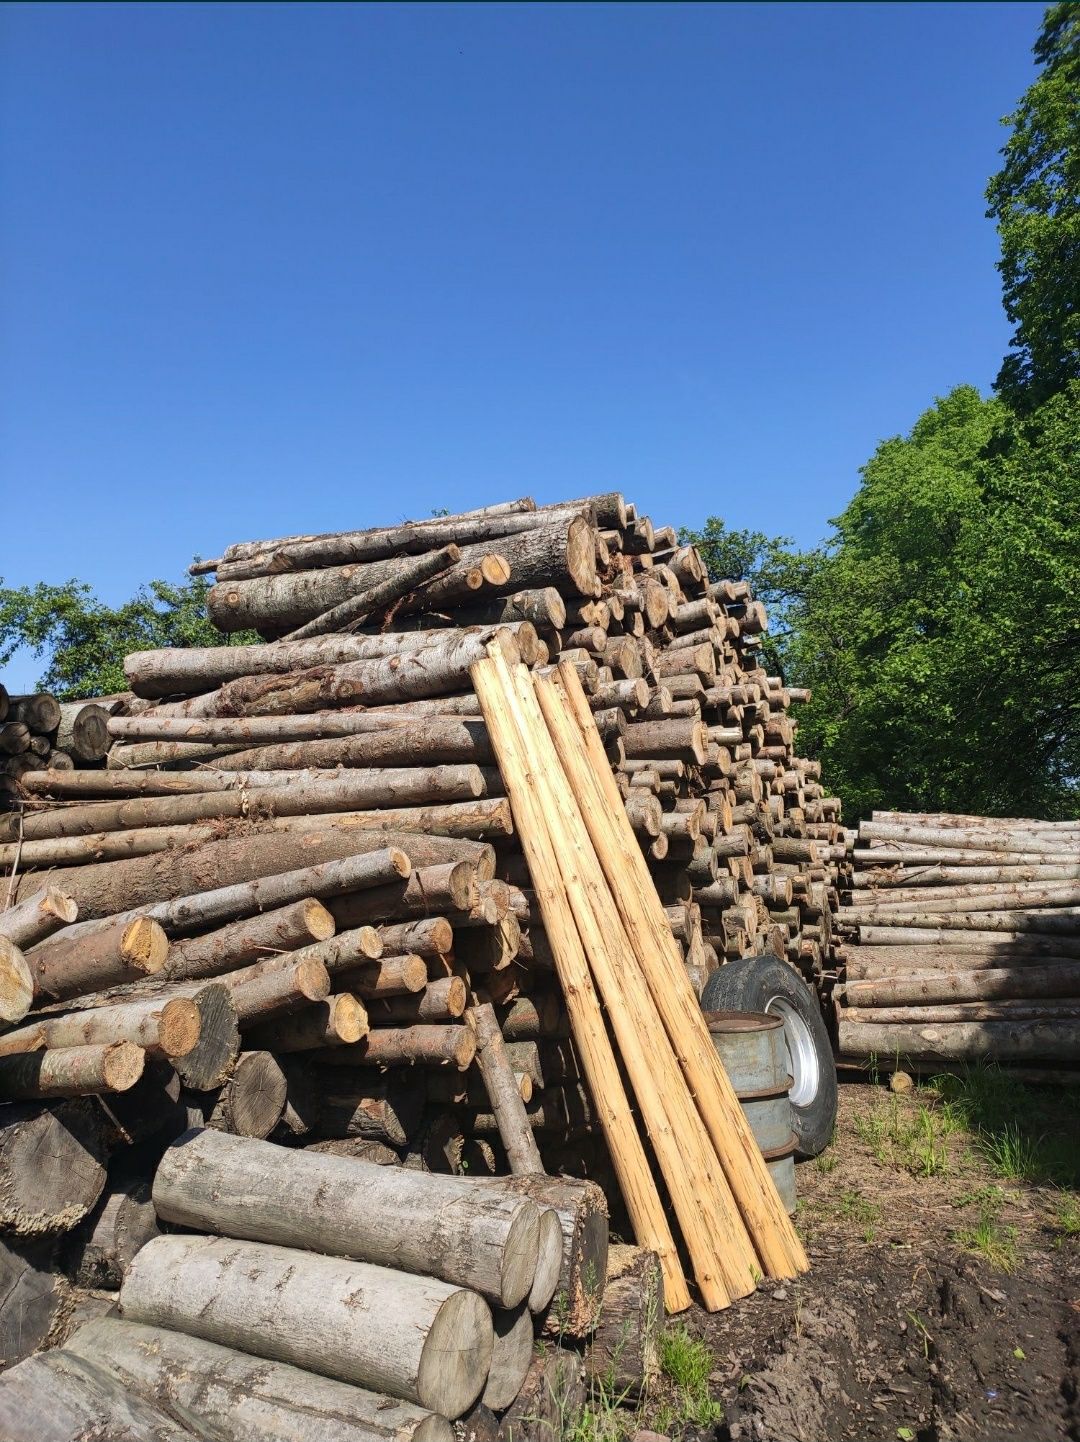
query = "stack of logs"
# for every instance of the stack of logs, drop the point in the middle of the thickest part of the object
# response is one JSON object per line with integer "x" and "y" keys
{"x": 39, "y": 733}
{"x": 961, "y": 940}
{"x": 332, "y": 1298}
{"x": 298, "y": 871}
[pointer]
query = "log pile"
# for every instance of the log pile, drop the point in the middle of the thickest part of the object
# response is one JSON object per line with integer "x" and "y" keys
{"x": 302, "y": 906}
{"x": 39, "y": 733}
{"x": 314, "y": 1296}
{"x": 961, "y": 940}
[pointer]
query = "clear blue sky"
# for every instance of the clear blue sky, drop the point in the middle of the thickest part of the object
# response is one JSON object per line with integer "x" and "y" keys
{"x": 300, "y": 267}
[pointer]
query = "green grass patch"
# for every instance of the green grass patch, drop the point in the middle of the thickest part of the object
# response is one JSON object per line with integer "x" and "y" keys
{"x": 988, "y": 1237}
{"x": 687, "y": 1363}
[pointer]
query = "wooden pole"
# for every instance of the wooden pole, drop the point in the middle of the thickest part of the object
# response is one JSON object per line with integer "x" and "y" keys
{"x": 514, "y": 1129}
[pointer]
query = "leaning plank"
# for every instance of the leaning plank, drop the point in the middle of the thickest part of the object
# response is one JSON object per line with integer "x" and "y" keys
{"x": 248, "y": 1399}
{"x": 412, "y": 1337}
{"x": 439, "y": 1225}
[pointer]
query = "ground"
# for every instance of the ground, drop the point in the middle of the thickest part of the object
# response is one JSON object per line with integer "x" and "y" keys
{"x": 943, "y": 1228}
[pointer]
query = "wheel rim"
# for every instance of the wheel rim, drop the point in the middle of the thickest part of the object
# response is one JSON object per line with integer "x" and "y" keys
{"x": 802, "y": 1053}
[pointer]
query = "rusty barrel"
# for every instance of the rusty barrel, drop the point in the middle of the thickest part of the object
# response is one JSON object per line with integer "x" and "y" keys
{"x": 755, "y": 1057}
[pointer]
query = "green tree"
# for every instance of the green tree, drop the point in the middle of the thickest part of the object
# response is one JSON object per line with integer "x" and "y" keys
{"x": 1035, "y": 199}
{"x": 86, "y": 641}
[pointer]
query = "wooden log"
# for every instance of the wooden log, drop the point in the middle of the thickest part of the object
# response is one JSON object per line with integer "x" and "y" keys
{"x": 1066, "y": 1009}
{"x": 16, "y": 983}
{"x": 57, "y": 1395}
{"x": 410, "y": 1046}
{"x": 870, "y": 963}
{"x": 71, "y": 1071}
{"x": 14, "y": 738}
{"x": 285, "y": 928}
{"x": 384, "y": 1109}
{"x": 514, "y": 1129}
{"x": 431, "y": 937}
{"x": 448, "y": 887}
{"x": 443, "y": 999}
{"x": 252, "y": 873}
{"x": 429, "y": 740}
{"x": 37, "y": 916}
{"x": 598, "y": 1059}
{"x": 210, "y": 1062}
{"x": 362, "y": 605}
{"x": 443, "y": 1227}
{"x": 40, "y": 711}
{"x": 33, "y": 1294}
{"x": 127, "y": 951}
{"x": 679, "y": 740}
{"x": 763, "y": 1212}
{"x": 510, "y": 1358}
{"x": 252, "y": 1101}
{"x": 1060, "y": 921}
{"x": 433, "y": 671}
{"x": 1032, "y": 1041}
{"x": 885, "y": 881}
{"x": 962, "y": 838}
{"x": 248, "y": 1399}
{"x": 551, "y": 1401}
{"x": 623, "y": 1355}
{"x": 51, "y": 1165}
{"x": 977, "y": 985}
{"x": 338, "y": 1021}
{"x": 169, "y": 1028}
{"x": 954, "y": 939}
{"x": 359, "y": 790}
{"x": 412, "y": 1337}
{"x": 83, "y": 731}
{"x": 106, "y": 1242}
{"x": 562, "y": 554}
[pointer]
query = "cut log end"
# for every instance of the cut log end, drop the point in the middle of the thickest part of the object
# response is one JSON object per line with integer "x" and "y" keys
{"x": 179, "y": 1026}
{"x": 456, "y": 1358}
{"x": 123, "y": 1066}
{"x": 144, "y": 945}
{"x": 318, "y": 921}
{"x": 16, "y": 983}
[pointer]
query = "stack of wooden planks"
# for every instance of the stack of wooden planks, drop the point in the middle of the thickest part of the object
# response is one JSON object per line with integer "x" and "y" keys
{"x": 296, "y": 888}
{"x": 961, "y": 940}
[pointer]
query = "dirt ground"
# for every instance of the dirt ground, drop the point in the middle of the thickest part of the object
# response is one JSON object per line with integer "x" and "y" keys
{"x": 944, "y": 1299}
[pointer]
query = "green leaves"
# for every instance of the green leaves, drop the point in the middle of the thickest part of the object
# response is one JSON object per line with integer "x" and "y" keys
{"x": 86, "y": 641}
{"x": 1035, "y": 199}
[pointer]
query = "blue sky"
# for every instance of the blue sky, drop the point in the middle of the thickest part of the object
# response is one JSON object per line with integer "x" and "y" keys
{"x": 297, "y": 268}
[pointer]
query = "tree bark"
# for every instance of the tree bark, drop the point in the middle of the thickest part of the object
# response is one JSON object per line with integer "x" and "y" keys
{"x": 390, "y": 976}
{"x": 551, "y": 1400}
{"x": 38, "y": 916}
{"x": 70, "y": 1071}
{"x": 248, "y": 1399}
{"x": 514, "y": 1129}
{"x": 427, "y": 741}
{"x": 123, "y": 1221}
{"x": 409, "y": 1046}
{"x": 51, "y": 1166}
{"x": 1032, "y": 1041}
{"x": 384, "y": 1109}
{"x": 284, "y": 929}
{"x": 440, "y": 1226}
{"x": 623, "y": 1355}
{"x": 980, "y": 985}
{"x": 72, "y": 966}
{"x": 432, "y": 937}
{"x": 57, "y": 1395}
{"x": 412, "y": 1337}
{"x": 448, "y": 887}
{"x": 443, "y": 999}
{"x": 169, "y": 1028}
{"x": 381, "y": 597}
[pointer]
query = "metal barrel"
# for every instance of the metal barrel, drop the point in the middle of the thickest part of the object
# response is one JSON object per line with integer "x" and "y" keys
{"x": 755, "y": 1057}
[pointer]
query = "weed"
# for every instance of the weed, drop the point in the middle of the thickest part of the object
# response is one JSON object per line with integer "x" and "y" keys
{"x": 1024, "y": 1133}
{"x": 988, "y": 1238}
{"x": 1067, "y": 1216}
{"x": 923, "y": 1331}
{"x": 1012, "y": 1154}
{"x": 854, "y": 1207}
{"x": 687, "y": 1363}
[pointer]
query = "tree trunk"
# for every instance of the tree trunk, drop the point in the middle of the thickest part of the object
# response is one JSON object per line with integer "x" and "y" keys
{"x": 83, "y": 731}
{"x": 338, "y": 1021}
{"x": 390, "y": 976}
{"x": 511, "y": 1357}
{"x": 443, "y": 999}
{"x": 284, "y": 929}
{"x": 38, "y": 916}
{"x": 58, "y": 1395}
{"x": 248, "y": 1399}
{"x": 16, "y": 983}
{"x": 384, "y": 1109}
{"x": 432, "y": 937}
{"x": 448, "y": 887}
{"x": 167, "y": 1028}
{"x": 551, "y": 1401}
{"x": 40, "y": 712}
{"x": 623, "y": 1355}
{"x": 252, "y": 1101}
{"x": 953, "y": 939}
{"x": 123, "y": 1221}
{"x": 951, "y": 986}
{"x": 32, "y": 1296}
{"x": 502, "y": 1089}
{"x": 970, "y": 1011}
{"x": 410, "y": 1046}
{"x": 72, "y": 966}
{"x": 249, "y": 874}
{"x": 442, "y": 1226}
{"x": 70, "y": 1071}
{"x": 427, "y": 741}
{"x": 51, "y": 1166}
{"x": 412, "y": 1337}
{"x": 211, "y": 1060}
{"x": 1031, "y": 1041}
{"x": 366, "y": 604}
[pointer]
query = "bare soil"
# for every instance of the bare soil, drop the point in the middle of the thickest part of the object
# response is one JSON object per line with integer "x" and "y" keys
{"x": 916, "y": 1323}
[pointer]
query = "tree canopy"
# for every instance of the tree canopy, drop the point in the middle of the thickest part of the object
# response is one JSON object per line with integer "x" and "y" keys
{"x": 85, "y": 640}
{"x": 1035, "y": 199}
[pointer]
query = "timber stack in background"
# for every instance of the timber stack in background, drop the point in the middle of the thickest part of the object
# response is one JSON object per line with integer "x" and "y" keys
{"x": 38, "y": 733}
{"x": 960, "y": 941}
{"x": 283, "y": 906}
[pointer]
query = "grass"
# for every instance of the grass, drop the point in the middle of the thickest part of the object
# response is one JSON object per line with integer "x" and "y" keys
{"x": 687, "y": 1363}
{"x": 913, "y": 1139}
{"x": 988, "y": 1237}
{"x": 1067, "y": 1217}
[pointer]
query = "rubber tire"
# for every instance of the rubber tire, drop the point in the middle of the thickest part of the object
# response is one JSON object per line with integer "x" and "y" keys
{"x": 754, "y": 983}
